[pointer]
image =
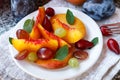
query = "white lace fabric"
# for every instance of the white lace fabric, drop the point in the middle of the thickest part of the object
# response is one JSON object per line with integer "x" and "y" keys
{"x": 104, "y": 68}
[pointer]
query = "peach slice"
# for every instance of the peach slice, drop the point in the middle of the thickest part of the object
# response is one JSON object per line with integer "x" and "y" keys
{"x": 75, "y": 32}
{"x": 33, "y": 45}
{"x": 41, "y": 15}
{"x": 54, "y": 63}
{"x": 35, "y": 34}
{"x": 49, "y": 35}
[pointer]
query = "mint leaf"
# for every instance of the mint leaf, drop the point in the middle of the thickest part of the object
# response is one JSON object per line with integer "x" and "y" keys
{"x": 95, "y": 41}
{"x": 10, "y": 40}
{"x": 28, "y": 25}
{"x": 62, "y": 53}
{"x": 70, "y": 17}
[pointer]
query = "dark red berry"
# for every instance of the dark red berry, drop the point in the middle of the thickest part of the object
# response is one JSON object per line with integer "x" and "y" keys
{"x": 47, "y": 24}
{"x": 113, "y": 46}
{"x": 105, "y": 31}
{"x": 50, "y": 11}
{"x": 84, "y": 44}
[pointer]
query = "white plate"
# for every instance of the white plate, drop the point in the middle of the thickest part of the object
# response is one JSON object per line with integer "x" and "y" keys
{"x": 65, "y": 73}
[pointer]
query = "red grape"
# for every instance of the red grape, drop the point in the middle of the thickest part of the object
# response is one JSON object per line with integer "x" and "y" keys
{"x": 82, "y": 55}
{"x": 22, "y": 34}
{"x": 50, "y": 11}
{"x": 45, "y": 53}
{"x": 22, "y": 55}
{"x": 84, "y": 44}
{"x": 47, "y": 24}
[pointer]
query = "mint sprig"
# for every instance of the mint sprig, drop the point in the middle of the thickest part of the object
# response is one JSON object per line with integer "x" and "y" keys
{"x": 95, "y": 41}
{"x": 62, "y": 53}
{"x": 28, "y": 25}
{"x": 70, "y": 17}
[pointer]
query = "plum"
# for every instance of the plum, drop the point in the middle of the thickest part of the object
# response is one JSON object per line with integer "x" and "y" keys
{"x": 21, "y": 8}
{"x": 99, "y": 9}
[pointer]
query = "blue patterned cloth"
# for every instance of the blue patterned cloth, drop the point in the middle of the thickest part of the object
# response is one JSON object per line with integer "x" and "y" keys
{"x": 99, "y": 11}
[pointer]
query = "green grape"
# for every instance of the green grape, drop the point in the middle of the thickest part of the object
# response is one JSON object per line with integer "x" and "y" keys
{"x": 60, "y": 32}
{"x": 73, "y": 62}
{"x": 32, "y": 56}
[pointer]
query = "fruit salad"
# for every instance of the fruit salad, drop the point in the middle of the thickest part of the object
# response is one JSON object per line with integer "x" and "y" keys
{"x": 52, "y": 40}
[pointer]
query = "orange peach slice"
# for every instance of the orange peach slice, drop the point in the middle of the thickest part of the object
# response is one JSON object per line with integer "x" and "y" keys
{"x": 77, "y": 23}
{"x": 75, "y": 32}
{"x": 54, "y": 63}
{"x": 33, "y": 45}
{"x": 49, "y": 35}
{"x": 41, "y": 15}
{"x": 35, "y": 34}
